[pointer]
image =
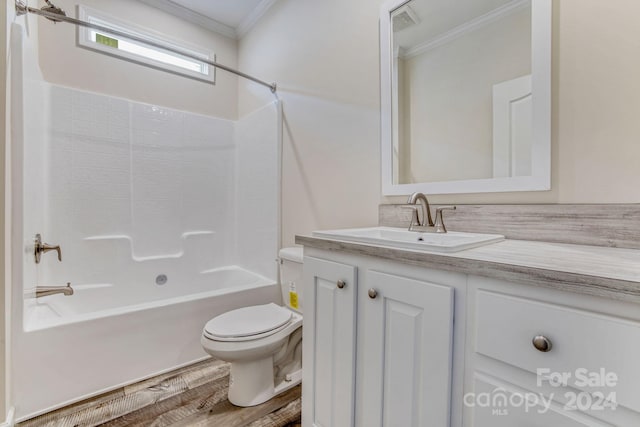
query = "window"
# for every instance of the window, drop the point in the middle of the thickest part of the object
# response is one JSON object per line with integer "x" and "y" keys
{"x": 139, "y": 52}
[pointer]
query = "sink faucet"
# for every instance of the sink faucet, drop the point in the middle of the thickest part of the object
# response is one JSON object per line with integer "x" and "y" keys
{"x": 419, "y": 199}
{"x": 426, "y": 211}
{"x": 427, "y": 224}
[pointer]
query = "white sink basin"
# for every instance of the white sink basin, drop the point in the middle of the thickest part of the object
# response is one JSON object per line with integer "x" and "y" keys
{"x": 404, "y": 239}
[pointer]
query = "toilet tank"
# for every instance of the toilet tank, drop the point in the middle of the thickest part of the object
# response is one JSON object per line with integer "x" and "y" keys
{"x": 291, "y": 277}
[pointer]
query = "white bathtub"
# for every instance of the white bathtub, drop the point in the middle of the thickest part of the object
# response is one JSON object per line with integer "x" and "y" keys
{"x": 98, "y": 300}
{"x": 110, "y": 345}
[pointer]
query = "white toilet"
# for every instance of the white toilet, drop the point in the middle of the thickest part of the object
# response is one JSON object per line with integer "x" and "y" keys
{"x": 263, "y": 343}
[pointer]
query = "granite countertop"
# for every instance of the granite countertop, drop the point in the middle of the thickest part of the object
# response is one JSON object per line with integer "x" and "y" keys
{"x": 594, "y": 270}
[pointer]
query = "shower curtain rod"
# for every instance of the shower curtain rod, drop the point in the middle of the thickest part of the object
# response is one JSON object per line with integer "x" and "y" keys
{"x": 60, "y": 16}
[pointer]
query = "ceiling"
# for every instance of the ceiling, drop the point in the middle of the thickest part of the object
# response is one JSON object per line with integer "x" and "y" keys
{"x": 228, "y": 12}
{"x": 232, "y": 18}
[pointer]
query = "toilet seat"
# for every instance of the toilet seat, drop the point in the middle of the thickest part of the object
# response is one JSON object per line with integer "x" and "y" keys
{"x": 248, "y": 323}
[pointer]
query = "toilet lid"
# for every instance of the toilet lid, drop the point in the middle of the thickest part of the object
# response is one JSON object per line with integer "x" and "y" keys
{"x": 248, "y": 321}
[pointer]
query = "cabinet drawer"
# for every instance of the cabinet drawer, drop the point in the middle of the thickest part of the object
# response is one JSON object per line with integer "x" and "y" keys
{"x": 504, "y": 408}
{"x": 583, "y": 344}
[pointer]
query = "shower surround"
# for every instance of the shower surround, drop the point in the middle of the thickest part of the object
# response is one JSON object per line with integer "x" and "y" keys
{"x": 165, "y": 219}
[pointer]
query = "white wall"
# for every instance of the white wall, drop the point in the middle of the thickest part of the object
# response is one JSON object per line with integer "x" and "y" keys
{"x": 256, "y": 190}
{"x": 151, "y": 187}
{"x": 96, "y": 72}
{"x": 324, "y": 56}
{"x": 597, "y": 101}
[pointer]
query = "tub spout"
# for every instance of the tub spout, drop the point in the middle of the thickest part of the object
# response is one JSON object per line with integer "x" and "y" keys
{"x": 43, "y": 291}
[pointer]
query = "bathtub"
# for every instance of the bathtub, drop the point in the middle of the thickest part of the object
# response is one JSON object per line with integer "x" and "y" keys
{"x": 99, "y": 300}
{"x": 123, "y": 228}
{"x": 110, "y": 344}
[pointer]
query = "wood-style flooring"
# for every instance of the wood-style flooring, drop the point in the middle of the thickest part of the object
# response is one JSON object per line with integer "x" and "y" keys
{"x": 195, "y": 396}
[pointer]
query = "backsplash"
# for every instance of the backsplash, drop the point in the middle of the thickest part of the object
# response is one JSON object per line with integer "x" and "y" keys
{"x": 598, "y": 225}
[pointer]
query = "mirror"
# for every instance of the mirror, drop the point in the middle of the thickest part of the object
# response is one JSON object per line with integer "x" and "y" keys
{"x": 466, "y": 96}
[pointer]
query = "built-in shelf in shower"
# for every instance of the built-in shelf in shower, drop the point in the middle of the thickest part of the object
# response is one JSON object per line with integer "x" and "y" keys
{"x": 123, "y": 237}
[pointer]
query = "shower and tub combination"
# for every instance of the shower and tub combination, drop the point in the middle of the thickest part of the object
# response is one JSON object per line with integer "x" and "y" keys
{"x": 163, "y": 220}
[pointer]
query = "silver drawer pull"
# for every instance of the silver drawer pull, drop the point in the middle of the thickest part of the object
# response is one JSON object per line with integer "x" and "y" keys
{"x": 341, "y": 284}
{"x": 373, "y": 293}
{"x": 542, "y": 343}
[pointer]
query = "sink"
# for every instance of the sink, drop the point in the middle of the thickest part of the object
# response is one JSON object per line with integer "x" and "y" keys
{"x": 402, "y": 238}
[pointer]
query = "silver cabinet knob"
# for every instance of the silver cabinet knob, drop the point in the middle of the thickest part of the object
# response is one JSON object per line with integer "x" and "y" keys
{"x": 341, "y": 284}
{"x": 542, "y": 343}
{"x": 373, "y": 293}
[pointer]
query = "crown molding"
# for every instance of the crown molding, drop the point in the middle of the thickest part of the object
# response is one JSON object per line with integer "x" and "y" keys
{"x": 194, "y": 17}
{"x": 247, "y": 23}
{"x": 467, "y": 27}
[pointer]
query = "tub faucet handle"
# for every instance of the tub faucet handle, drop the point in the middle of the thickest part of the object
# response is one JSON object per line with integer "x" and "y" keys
{"x": 41, "y": 248}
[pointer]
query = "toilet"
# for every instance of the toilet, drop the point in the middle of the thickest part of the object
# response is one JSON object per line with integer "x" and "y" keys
{"x": 263, "y": 343}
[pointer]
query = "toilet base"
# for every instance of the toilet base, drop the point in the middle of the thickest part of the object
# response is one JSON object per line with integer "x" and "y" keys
{"x": 251, "y": 383}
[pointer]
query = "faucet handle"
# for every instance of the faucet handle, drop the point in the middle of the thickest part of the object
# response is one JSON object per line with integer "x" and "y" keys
{"x": 439, "y": 224}
{"x": 41, "y": 248}
{"x": 415, "y": 219}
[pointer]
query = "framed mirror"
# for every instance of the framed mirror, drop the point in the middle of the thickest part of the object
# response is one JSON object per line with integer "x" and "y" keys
{"x": 466, "y": 96}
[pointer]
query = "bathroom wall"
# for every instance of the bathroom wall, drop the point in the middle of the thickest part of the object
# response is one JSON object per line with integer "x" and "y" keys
{"x": 96, "y": 72}
{"x": 141, "y": 188}
{"x": 135, "y": 184}
{"x": 258, "y": 136}
{"x": 324, "y": 56}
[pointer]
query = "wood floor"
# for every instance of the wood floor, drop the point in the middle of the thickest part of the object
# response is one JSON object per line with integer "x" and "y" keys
{"x": 193, "y": 396}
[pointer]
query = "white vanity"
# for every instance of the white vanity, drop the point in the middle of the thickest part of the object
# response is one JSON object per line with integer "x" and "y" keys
{"x": 514, "y": 333}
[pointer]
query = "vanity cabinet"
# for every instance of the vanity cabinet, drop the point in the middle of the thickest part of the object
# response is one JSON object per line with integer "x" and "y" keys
{"x": 574, "y": 356}
{"x": 329, "y": 344}
{"x": 405, "y": 330}
{"x": 378, "y": 343}
{"x": 391, "y": 343}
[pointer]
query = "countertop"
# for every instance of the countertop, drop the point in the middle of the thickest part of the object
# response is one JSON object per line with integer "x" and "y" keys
{"x": 594, "y": 270}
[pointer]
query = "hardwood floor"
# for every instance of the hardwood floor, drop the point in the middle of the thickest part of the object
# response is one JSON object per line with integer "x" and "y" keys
{"x": 192, "y": 396}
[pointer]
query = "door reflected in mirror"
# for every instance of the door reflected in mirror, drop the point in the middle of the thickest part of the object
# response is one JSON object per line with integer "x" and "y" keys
{"x": 459, "y": 105}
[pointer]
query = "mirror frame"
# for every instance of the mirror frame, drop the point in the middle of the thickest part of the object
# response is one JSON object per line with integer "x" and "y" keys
{"x": 540, "y": 180}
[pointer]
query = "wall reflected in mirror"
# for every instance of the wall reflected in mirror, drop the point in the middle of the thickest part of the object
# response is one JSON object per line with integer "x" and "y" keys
{"x": 461, "y": 90}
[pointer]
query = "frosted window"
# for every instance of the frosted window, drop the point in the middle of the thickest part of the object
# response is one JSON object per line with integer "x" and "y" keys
{"x": 142, "y": 53}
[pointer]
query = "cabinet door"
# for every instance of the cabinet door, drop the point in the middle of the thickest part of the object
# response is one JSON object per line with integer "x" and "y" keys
{"x": 328, "y": 382}
{"x": 407, "y": 328}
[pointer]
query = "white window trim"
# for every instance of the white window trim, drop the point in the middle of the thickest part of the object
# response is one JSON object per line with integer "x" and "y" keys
{"x": 100, "y": 18}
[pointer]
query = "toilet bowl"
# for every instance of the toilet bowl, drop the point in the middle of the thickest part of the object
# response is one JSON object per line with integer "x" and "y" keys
{"x": 263, "y": 343}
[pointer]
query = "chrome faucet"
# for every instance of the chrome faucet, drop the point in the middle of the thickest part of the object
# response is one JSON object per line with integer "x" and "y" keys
{"x": 426, "y": 224}
{"x": 426, "y": 211}
{"x": 44, "y": 291}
